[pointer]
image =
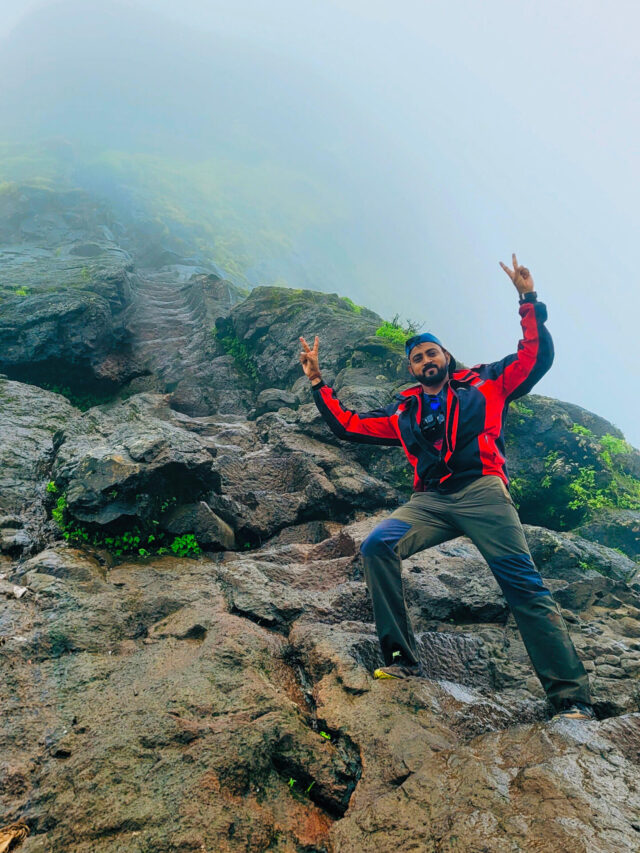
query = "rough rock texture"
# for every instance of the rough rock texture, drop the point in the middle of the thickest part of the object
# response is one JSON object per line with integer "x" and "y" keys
{"x": 29, "y": 420}
{"x": 226, "y": 703}
{"x": 571, "y": 468}
{"x": 170, "y": 322}
{"x": 65, "y": 285}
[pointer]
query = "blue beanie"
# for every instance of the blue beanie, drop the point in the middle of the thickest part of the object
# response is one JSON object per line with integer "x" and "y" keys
{"x": 425, "y": 337}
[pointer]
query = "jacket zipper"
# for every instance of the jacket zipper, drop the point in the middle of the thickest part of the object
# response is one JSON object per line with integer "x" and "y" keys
{"x": 450, "y": 413}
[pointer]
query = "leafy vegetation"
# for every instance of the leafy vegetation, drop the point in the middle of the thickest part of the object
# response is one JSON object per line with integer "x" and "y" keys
{"x": 80, "y": 401}
{"x": 397, "y": 334}
{"x": 234, "y": 347}
{"x": 611, "y": 487}
{"x": 357, "y": 309}
{"x": 185, "y": 545}
{"x": 577, "y": 429}
{"x": 522, "y": 411}
{"x": 142, "y": 539}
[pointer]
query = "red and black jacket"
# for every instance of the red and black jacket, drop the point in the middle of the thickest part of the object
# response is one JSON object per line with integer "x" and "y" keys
{"x": 477, "y": 402}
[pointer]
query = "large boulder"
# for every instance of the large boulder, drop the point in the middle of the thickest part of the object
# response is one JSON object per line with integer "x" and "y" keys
{"x": 126, "y": 460}
{"x": 263, "y": 334}
{"x": 65, "y": 287}
{"x": 616, "y": 528}
{"x": 569, "y": 468}
{"x": 29, "y": 420}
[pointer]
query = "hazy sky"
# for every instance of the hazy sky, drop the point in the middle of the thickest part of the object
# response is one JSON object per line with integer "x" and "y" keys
{"x": 507, "y": 127}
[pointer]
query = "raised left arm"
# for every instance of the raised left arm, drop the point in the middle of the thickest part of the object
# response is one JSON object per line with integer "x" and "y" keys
{"x": 519, "y": 372}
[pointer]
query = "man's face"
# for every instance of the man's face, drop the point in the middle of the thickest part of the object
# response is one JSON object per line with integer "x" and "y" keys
{"x": 429, "y": 363}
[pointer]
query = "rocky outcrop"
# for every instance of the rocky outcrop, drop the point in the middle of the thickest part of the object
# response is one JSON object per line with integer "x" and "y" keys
{"x": 156, "y": 703}
{"x": 29, "y": 420}
{"x": 228, "y": 704}
{"x": 266, "y": 328}
{"x": 66, "y": 283}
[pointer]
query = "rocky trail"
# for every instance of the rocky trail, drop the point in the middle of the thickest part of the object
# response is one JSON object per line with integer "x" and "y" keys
{"x": 167, "y": 323}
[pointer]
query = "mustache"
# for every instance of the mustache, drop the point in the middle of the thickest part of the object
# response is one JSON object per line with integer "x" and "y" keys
{"x": 429, "y": 366}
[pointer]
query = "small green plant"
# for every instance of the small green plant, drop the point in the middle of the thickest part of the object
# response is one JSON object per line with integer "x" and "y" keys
{"x": 521, "y": 409}
{"x": 21, "y": 291}
{"x": 166, "y": 503}
{"x": 612, "y": 446}
{"x": 357, "y": 309}
{"x": 234, "y": 347}
{"x": 585, "y": 493}
{"x": 551, "y": 457}
{"x": 185, "y": 545}
{"x": 517, "y": 488}
{"x": 59, "y": 512}
{"x": 85, "y": 274}
{"x": 80, "y": 401}
{"x": 397, "y": 334}
{"x": 52, "y": 489}
{"x": 143, "y": 540}
{"x": 325, "y": 735}
{"x": 580, "y": 430}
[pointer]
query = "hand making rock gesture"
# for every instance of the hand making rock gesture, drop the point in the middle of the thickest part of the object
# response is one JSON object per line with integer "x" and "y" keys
{"x": 520, "y": 276}
{"x": 309, "y": 359}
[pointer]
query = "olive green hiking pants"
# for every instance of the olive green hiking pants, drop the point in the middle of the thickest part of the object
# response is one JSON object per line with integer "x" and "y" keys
{"x": 485, "y": 512}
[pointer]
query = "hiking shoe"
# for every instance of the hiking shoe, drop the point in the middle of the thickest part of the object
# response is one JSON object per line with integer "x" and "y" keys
{"x": 399, "y": 670}
{"x": 577, "y": 711}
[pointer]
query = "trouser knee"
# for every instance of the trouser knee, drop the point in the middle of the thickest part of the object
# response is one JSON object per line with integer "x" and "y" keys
{"x": 519, "y": 579}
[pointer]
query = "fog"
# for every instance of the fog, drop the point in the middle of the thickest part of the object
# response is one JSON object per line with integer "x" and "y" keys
{"x": 393, "y": 153}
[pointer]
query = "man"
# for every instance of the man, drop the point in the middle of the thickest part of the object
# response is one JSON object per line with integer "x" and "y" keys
{"x": 450, "y": 426}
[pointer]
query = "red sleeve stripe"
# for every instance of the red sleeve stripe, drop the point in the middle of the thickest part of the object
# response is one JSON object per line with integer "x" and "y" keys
{"x": 517, "y": 372}
{"x": 352, "y": 423}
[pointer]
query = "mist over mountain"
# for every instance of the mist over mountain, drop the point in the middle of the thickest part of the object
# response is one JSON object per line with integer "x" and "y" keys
{"x": 244, "y": 142}
{"x": 390, "y": 155}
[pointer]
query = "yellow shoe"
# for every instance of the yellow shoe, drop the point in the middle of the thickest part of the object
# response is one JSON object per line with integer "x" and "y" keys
{"x": 577, "y": 711}
{"x": 399, "y": 670}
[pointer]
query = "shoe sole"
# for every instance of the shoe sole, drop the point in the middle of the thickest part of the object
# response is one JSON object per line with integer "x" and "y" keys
{"x": 380, "y": 673}
{"x": 573, "y": 717}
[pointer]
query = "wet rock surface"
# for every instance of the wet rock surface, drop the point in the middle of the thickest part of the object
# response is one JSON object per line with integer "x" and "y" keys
{"x": 225, "y": 703}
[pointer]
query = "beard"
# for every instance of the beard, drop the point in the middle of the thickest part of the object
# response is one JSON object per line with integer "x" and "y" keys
{"x": 430, "y": 378}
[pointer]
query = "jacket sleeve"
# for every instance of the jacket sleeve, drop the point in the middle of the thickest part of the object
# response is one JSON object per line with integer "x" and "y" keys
{"x": 365, "y": 428}
{"x": 519, "y": 372}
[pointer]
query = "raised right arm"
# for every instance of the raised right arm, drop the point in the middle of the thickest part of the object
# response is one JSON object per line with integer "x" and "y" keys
{"x": 367, "y": 428}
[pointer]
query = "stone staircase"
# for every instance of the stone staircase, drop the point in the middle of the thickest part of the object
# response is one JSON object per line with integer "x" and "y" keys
{"x": 168, "y": 326}
{"x": 170, "y": 321}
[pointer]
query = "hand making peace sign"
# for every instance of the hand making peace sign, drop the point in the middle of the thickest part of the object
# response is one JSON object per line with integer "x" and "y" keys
{"x": 309, "y": 358}
{"x": 520, "y": 276}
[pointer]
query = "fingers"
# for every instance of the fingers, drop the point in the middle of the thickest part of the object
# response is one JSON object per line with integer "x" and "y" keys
{"x": 515, "y": 262}
{"x": 305, "y": 345}
{"x": 508, "y": 271}
{"x": 315, "y": 345}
